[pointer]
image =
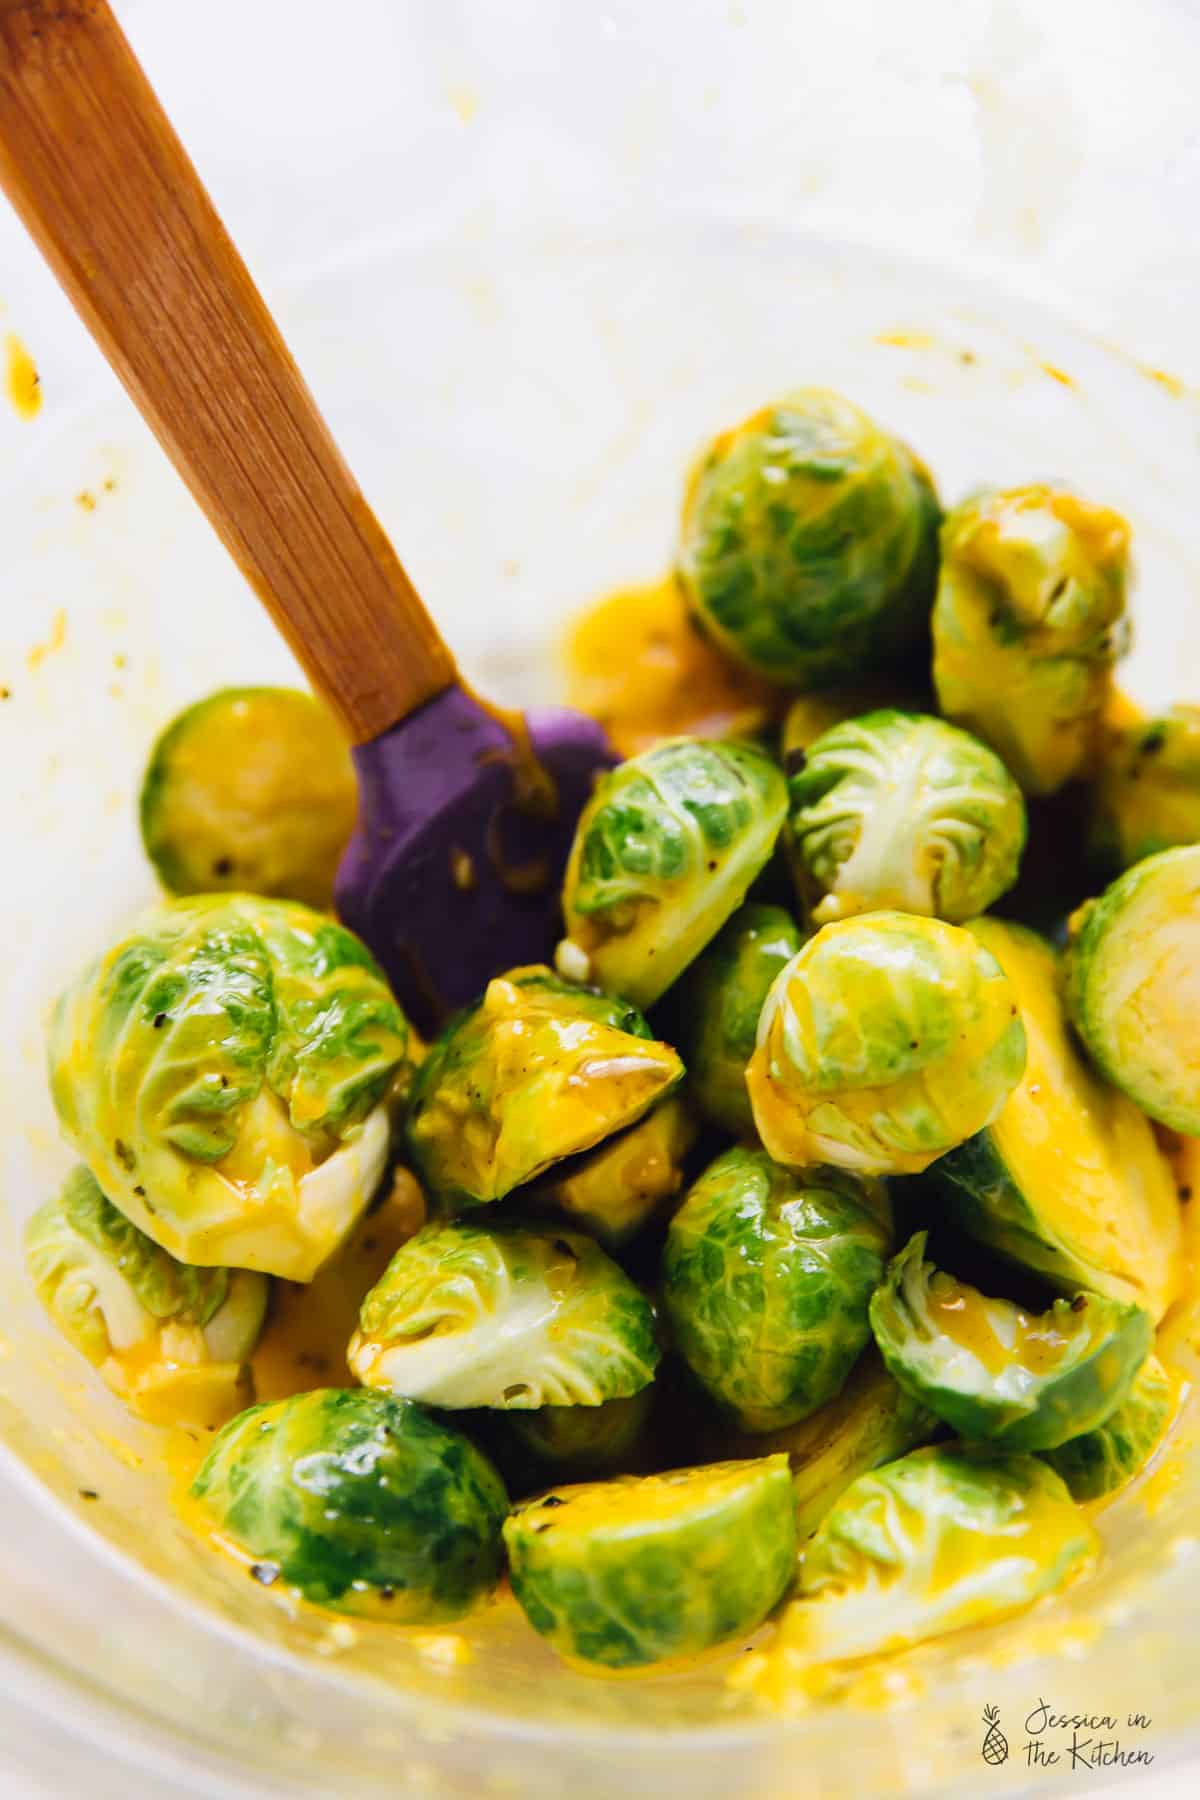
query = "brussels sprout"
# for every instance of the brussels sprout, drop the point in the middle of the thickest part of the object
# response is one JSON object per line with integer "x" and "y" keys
{"x": 766, "y": 1280}
{"x": 885, "y": 1042}
{"x": 359, "y": 1501}
{"x": 637, "y": 1569}
{"x": 1133, "y": 985}
{"x": 616, "y": 1190}
{"x": 1105, "y": 1458}
{"x": 991, "y": 1370}
{"x": 1028, "y": 621}
{"x": 1067, "y": 1181}
{"x": 251, "y": 789}
{"x": 222, "y": 1071}
{"x": 946, "y": 1537}
{"x": 502, "y": 1316}
{"x": 170, "y": 1339}
{"x": 536, "y": 1071}
{"x": 1147, "y": 794}
{"x": 900, "y": 810}
{"x": 664, "y": 852}
{"x": 809, "y": 543}
{"x": 581, "y": 1441}
{"x": 719, "y": 1002}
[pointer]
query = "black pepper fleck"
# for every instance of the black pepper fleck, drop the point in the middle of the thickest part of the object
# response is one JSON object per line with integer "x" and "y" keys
{"x": 160, "y": 1020}
{"x": 223, "y": 866}
{"x": 88, "y": 1494}
{"x": 264, "y": 1573}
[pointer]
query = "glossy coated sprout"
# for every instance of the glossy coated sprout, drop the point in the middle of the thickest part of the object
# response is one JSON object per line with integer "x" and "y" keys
{"x": 1105, "y": 1458}
{"x": 900, "y": 810}
{"x": 473, "y": 1315}
{"x": 222, "y": 1071}
{"x": 946, "y": 1537}
{"x": 169, "y": 1339}
{"x": 250, "y": 790}
{"x": 991, "y": 1370}
{"x": 885, "y": 1042}
{"x": 1133, "y": 985}
{"x": 1147, "y": 792}
{"x": 664, "y": 852}
{"x": 359, "y": 1502}
{"x": 809, "y": 543}
{"x": 1029, "y": 619}
{"x": 718, "y": 1003}
{"x": 536, "y": 1071}
{"x": 634, "y": 1570}
{"x": 617, "y": 1189}
{"x": 767, "y": 1276}
{"x": 1067, "y": 1181}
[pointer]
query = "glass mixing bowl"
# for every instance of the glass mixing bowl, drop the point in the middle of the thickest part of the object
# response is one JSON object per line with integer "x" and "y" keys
{"x": 530, "y": 257}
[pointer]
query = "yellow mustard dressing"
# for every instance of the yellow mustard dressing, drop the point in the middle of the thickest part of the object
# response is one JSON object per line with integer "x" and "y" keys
{"x": 22, "y": 381}
{"x": 965, "y": 1317}
{"x": 637, "y": 664}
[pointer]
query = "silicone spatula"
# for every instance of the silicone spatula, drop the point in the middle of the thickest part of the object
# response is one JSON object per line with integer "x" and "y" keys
{"x": 465, "y": 814}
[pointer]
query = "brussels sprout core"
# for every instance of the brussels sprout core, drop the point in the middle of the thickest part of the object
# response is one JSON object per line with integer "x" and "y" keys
{"x": 664, "y": 852}
{"x": 991, "y": 1370}
{"x": 169, "y": 1339}
{"x": 1028, "y": 622}
{"x": 222, "y": 1072}
{"x": 470, "y": 1316}
{"x": 885, "y": 1042}
{"x": 900, "y": 810}
{"x": 1133, "y": 985}
{"x": 634, "y": 1570}
{"x": 537, "y": 1071}
{"x": 809, "y": 545}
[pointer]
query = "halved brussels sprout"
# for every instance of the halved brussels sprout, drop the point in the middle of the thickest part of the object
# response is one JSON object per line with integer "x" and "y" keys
{"x": 767, "y": 1276}
{"x": 1067, "y": 1180}
{"x": 361, "y": 1502}
{"x": 169, "y": 1339}
{"x": 641, "y": 1568}
{"x": 664, "y": 852}
{"x": 719, "y": 1001}
{"x": 1133, "y": 985}
{"x": 536, "y": 1071}
{"x": 250, "y": 790}
{"x": 885, "y": 1042}
{"x": 809, "y": 544}
{"x": 1147, "y": 794}
{"x": 1105, "y": 1458}
{"x": 578, "y": 1442}
{"x": 222, "y": 1072}
{"x": 468, "y": 1315}
{"x": 991, "y": 1370}
{"x": 903, "y": 811}
{"x": 617, "y": 1189}
{"x": 946, "y": 1537}
{"x": 1028, "y": 621}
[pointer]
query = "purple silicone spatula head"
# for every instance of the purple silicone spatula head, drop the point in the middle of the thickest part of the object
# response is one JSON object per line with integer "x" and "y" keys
{"x": 454, "y": 870}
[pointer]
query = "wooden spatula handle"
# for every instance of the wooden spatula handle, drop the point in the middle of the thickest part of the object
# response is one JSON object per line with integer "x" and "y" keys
{"x": 93, "y": 167}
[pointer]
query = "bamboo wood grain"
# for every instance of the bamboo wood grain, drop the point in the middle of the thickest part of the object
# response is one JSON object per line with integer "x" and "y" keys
{"x": 91, "y": 163}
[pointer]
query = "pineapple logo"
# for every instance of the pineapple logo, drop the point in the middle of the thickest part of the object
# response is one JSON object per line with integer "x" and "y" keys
{"x": 995, "y": 1744}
